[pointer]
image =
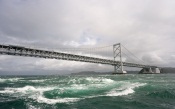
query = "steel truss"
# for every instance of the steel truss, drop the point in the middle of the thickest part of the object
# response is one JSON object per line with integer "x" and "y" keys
{"x": 117, "y": 52}
{"x": 38, "y": 53}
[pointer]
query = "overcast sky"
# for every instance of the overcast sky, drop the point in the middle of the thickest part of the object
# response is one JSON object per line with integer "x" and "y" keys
{"x": 145, "y": 27}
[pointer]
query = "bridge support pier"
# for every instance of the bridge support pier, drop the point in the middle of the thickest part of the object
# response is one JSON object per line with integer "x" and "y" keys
{"x": 150, "y": 71}
{"x": 117, "y": 52}
{"x": 118, "y": 70}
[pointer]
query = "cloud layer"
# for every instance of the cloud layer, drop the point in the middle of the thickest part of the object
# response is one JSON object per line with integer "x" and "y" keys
{"x": 145, "y": 27}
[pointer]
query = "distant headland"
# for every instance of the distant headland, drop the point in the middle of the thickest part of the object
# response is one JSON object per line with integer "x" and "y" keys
{"x": 166, "y": 70}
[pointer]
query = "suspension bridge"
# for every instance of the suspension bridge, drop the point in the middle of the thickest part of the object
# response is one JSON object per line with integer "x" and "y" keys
{"x": 114, "y": 58}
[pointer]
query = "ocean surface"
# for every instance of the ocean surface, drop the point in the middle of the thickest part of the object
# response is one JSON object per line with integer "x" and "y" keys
{"x": 128, "y": 91}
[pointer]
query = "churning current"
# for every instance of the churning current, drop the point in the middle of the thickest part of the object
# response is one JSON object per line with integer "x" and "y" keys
{"x": 129, "y": 91}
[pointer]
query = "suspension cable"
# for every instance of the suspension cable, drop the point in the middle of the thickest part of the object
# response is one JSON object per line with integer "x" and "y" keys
{"x": 128, "y": 56}
{"x": 132, "y": 54}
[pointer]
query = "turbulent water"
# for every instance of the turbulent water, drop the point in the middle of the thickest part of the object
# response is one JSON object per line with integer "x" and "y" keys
{"x": 130, "y": 91}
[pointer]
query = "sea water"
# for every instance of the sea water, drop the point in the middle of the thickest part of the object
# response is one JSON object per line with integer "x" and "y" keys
{"x": 128, "y": 91}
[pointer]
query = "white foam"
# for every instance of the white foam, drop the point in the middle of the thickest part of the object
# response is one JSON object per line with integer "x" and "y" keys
{"x": 99, "y": 80}
{"x": 135, "y": 85}
{"x": 2, "y": 80}
{"x": 29, "y": 106}
{"x": 93, "y": 84}
{"x": 36, "y": 93}
{"x": 42, "y": 99}
{"x": 124, "y": 92}
{"x": 30, "y": 91}
{"x": 7, "y": 91}
{"x": 78, "y": 86}
{"x": 27, "y": 89}
{"x": 9, "y": 79}
{"x": 125, "y": 89}
{"x": 37, "y": 81}
{"x": 72, "y": 81}
{"x": 108, "y": 80}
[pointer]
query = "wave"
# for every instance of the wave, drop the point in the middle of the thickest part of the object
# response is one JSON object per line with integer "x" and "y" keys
{"x": 89, "y": 80}
{"x": 164, "y": 94}
{"x": 2, "y": 80}
{"x": 37, "y": 81}
{"x": 99, "y": 80}
{"x": 29, "y": 106}
{"x": 125, "y": 89}
{"x": 36, "y": 93}
{"x": 120, "y": 93}
{"x": 79, "y": 88}
{"x": 42, "y": 99}
{"x": 26, "y": 89}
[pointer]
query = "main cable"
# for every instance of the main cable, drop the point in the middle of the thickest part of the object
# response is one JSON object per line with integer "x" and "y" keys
{"x": 132, "y": 54}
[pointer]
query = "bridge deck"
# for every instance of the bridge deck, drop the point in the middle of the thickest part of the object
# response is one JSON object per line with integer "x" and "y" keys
{"x": 31, "y": 52}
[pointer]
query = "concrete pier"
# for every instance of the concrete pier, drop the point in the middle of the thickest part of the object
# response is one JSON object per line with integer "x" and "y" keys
{"x": 150, "y": 71}
{"x": 119, "y": 72}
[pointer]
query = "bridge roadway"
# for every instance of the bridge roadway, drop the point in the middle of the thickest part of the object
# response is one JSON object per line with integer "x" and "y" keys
{"x": 39, "y": 53}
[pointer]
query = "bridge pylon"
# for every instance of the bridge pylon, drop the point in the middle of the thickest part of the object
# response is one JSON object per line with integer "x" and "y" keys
{"x": 117, "y": 52}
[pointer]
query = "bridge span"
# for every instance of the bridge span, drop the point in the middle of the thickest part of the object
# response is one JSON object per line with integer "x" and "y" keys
{"x": 40, "y": 53}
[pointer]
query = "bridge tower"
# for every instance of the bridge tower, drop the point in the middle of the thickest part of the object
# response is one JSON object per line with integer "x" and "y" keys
{"x": 117, "y": 52}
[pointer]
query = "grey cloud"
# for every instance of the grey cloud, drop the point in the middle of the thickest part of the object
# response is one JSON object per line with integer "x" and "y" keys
{"x": 145, "y": 27}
